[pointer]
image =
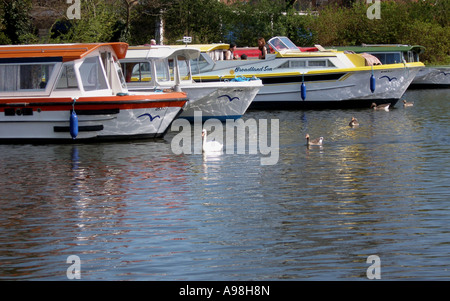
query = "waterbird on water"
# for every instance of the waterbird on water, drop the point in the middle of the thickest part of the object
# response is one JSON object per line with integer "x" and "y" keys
{"x": 353, "y": 122}
{"x": 407, "y": 104}
{"x": 317, "y": 141}
{"x": 210, "y": 146}
{"x": 384, "y": 106}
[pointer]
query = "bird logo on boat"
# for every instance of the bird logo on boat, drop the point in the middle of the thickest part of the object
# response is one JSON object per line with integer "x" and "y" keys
{"x": 229, "y": 97}
{"x": 149, "y": 116}
{"x": 389, "y": 79}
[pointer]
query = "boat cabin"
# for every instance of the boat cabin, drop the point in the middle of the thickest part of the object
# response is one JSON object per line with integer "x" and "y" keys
{"x": 159, "y": 66}
{"x": 388, "y": 54}
{"x": 52, "y": 70}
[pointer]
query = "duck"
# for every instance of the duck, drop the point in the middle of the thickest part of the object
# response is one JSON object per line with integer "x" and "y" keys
{"x": 384, "y": 106}
{"x": 353, "y": 122}
{"x": 317, "y": 141}
{"x": 210, "y": 146}
{"x": 407, "y": 104}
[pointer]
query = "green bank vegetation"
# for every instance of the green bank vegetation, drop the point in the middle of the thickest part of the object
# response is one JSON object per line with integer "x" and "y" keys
{"x": 339, "y": 23}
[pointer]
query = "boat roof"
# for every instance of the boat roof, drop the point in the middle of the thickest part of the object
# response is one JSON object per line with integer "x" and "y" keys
{"x": 382, "y": 48}
{"x": 160, "y": 52}
{"x": 68, "y": 52}
{"x": 205, "y": 47}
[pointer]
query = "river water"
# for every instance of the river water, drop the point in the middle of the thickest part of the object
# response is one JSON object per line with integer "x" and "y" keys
{"x": 137, "y": 211}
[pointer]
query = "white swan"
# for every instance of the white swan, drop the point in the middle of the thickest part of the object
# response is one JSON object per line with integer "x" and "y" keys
{"x": 210, "y": 146}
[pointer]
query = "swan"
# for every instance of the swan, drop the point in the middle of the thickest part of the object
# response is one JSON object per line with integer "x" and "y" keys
{"x": 407, "y": 104}
{"x": 210, "y": 146}
{"x": 384, "y": 106}
{"x": 317, "y": 141}
{"x": 354, "y": 122}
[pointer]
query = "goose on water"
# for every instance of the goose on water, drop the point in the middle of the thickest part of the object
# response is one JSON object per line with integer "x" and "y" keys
{"x": 317, "y": 141}
{"x": 407, "y": 104}
{"x": 353, "y": 122}
{"x": 381, "y": 107}
{"x": 210, "y": 146}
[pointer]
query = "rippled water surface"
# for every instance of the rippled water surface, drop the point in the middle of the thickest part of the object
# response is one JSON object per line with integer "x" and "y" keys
{"x": 137, "y": 211}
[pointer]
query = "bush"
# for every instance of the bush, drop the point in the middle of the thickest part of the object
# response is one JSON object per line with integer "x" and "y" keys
{"x": 416, "y": 23}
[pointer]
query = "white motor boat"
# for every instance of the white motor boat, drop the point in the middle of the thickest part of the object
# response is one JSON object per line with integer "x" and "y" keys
{"x": 294, "y": 78}
{"x": 428, "y": 77}
{"x": 70, "y": 92}
{"x": 151, "y": 68}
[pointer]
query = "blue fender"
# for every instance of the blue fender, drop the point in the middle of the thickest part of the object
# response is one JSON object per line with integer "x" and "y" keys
{"x": 73, "y": 125}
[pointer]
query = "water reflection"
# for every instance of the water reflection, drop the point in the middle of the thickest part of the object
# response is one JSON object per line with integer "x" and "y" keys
{"x": 136, "y": 211}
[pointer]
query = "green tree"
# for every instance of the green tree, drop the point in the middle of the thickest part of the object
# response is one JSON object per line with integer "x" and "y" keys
{"x": 254, "y": 19}
{"x": 200, "y": 19}
{"x": 16, "y": 22}
{"x": 97, "y": 24}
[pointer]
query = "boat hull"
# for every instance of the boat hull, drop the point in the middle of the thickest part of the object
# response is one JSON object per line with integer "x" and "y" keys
{"x": 227, "y": 100}
{"x": 344, "y": 90}
{"x": 218, "y": 100}
{"x": 432, "y": 77}
{"x": 298, "y": 81}
{"x": 99, "y": 118}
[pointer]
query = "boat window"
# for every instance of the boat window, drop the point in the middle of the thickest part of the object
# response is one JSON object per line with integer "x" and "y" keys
{"x": 137, "y": 72}
{"x": 388, "y": 57}
{"x": 67, "y": 78}
{"x": 162, "y": 71}
{"x": 282, "y": 44}
{"x": 200, "y": 64}
{"x": 25, "y": 77}
{"x": 411, "y": 57}
{"x": 321, "y": 63}
{"x": 297, "y": 63}
{"x": 289, "y": 43}
{"x": 92, "y": 75}
{"x": 183, "y": 65}
{"x": 120, "y": 74}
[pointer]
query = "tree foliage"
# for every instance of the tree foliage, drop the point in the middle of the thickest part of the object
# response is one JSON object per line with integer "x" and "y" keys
{"x": 423, "y": 23}
{"x": 16, "y": 24}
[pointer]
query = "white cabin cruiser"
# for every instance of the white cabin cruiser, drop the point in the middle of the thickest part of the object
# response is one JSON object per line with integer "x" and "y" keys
{"x": 67, "y": 92}
{"x": 294, "y": 78}
{"x": 149, "y": 68}
{"x": 428, "y": 77}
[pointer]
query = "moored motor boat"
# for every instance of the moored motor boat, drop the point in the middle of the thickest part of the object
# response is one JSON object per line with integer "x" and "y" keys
{"x": 148, "y": 68}
{"x": 295, "y": 78}
{"x": 428, "y": 76}
{"x": 62, "y": 92}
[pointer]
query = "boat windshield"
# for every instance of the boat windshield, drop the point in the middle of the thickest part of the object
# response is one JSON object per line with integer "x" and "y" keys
{"x": 183, "y": 66}
{"x": 282, "y": 44}
{"x": 92, "y": 74}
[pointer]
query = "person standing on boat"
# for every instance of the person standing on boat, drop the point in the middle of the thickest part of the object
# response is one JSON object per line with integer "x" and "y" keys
{"x": 263, "y": 48}
{"x": 229, "y": 54}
